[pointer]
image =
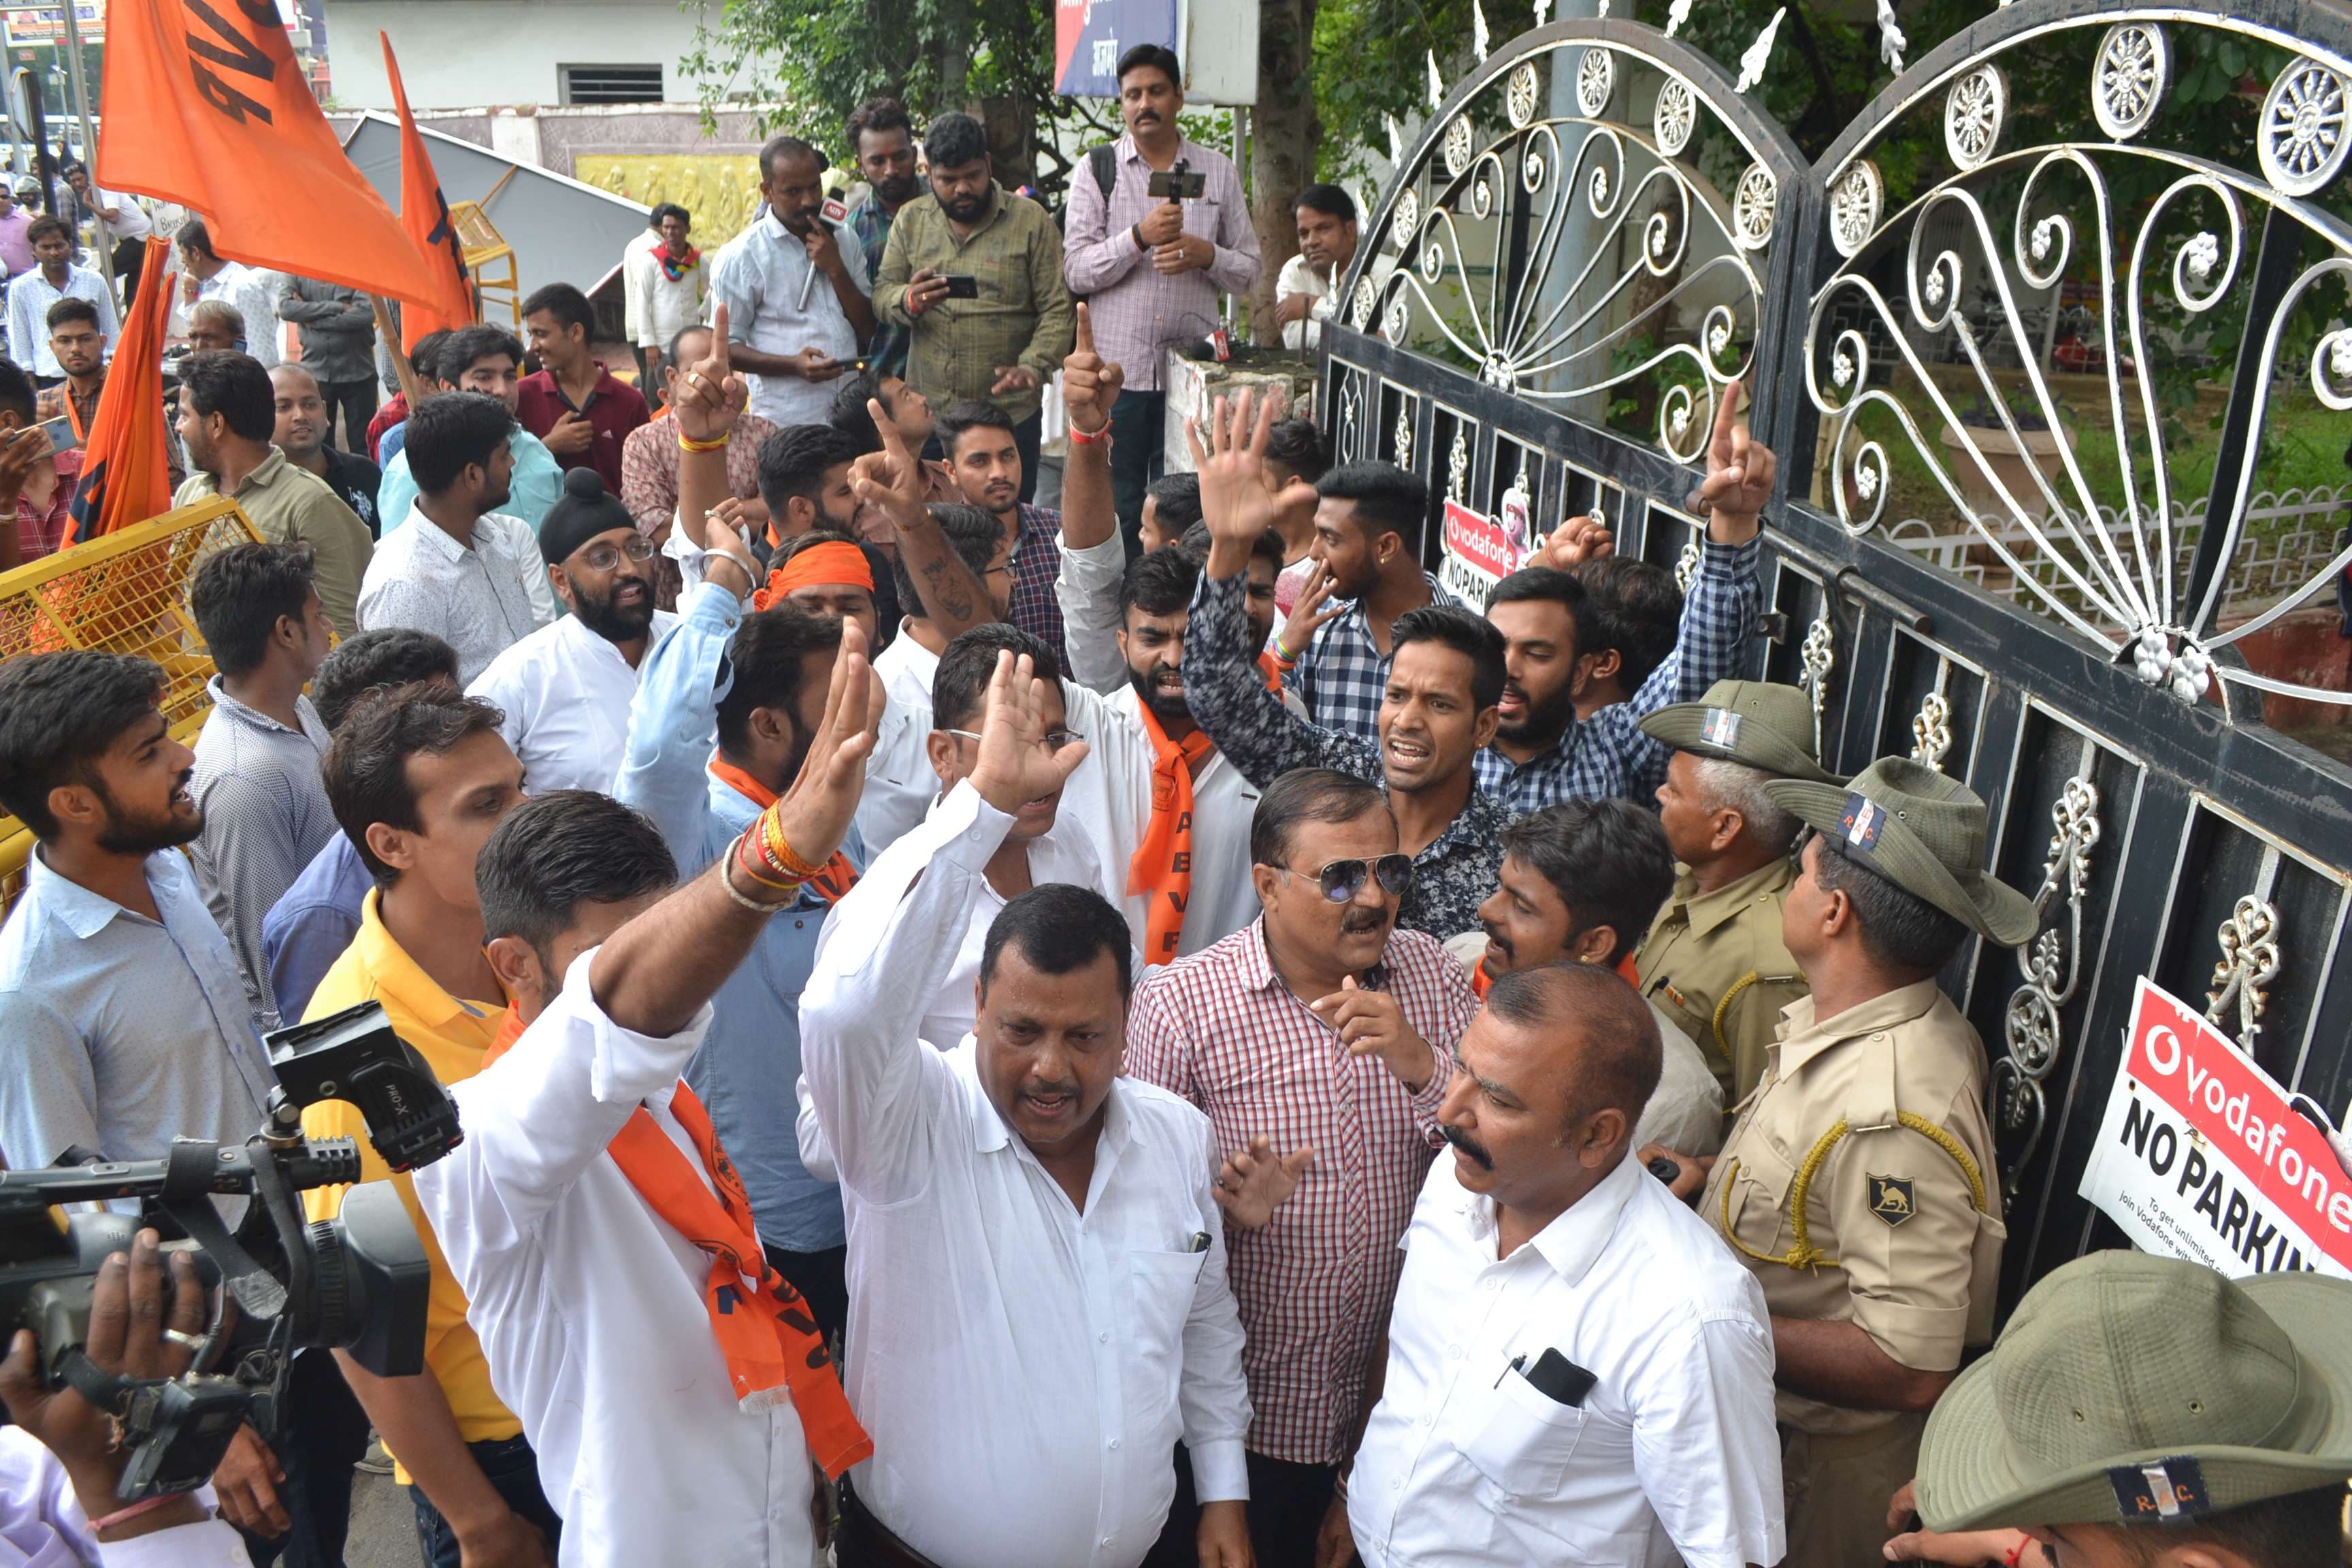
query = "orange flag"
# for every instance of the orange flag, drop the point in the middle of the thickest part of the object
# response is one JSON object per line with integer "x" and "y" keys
{"x": 124, "y": 476}
{"x": 424, "y": 213}
{"x": 225, "y": 124}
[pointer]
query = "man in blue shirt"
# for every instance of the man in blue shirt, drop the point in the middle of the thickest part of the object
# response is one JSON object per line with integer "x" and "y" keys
{"x": 754, "y": 687}
{"x": 317, "y": 917}
{"x": 485, "y": 360}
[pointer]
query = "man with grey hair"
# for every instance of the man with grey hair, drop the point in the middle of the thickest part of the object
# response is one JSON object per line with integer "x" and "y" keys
{"x": 1714, "y": 961}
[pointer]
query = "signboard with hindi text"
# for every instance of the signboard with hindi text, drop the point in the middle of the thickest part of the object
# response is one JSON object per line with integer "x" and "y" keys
{"x": 1215, "y": 40}
{"x": 2200, "y": 1155}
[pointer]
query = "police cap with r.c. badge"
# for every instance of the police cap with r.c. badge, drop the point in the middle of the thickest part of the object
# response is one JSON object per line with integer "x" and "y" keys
{"x": 1760, "y": 723}
{"x": 2136, "y": 1390}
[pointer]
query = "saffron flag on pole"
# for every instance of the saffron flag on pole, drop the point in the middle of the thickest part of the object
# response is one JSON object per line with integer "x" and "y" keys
{"x": 225, "y": 125}
{"x": 124, "y": 473}
{"x": 424, "y": 213}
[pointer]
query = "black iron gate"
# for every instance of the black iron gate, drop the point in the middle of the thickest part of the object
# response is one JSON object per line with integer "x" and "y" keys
{"x": 2120, "y": 235}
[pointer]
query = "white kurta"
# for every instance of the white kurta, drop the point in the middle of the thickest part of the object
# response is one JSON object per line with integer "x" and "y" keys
{"x": 590, "y": 1309}
{"x": 1025, "y": 1365}
{"x": 565, "y": 692}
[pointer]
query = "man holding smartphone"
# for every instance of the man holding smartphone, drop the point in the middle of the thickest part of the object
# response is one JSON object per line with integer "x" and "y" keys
{"x": 794, "y": 291}
{"x": 974, "y": 272}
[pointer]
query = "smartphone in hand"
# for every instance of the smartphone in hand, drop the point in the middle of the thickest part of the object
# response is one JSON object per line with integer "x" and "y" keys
{"x": 62, "y": 435}
{"x": 961, "y": 286}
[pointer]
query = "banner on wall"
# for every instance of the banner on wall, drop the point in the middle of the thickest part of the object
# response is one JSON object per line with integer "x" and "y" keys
{"x": 1090, "y": 35}
{"x": 2200, "y": 1155}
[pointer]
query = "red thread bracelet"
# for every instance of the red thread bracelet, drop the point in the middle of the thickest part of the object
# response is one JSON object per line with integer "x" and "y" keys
{"x": 2017, "y": 1553}
{"x": 125, "y": 1515}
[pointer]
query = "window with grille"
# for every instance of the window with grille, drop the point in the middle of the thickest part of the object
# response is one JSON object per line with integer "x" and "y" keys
{"x": 611, "y": 84}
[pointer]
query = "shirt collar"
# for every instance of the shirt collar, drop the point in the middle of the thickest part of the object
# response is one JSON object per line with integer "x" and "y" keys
{"x": 396, "y": 975}
{"x": 1478, "y": 821}
{"x": 222, "y": 702}
{"x": 1808, "y": 1038}
{"x": 81, "y": 911}
{"x": 430, "y": 535}
{"x": 264, "y": 473}
{"x": 1707, "y": 911}
{"x": 1573, "y": 1243}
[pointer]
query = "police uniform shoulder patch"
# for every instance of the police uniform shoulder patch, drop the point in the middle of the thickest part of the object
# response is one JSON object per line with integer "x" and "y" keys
{"x": 2160, "y": 1491}
{"x": 1892, "y": 1198}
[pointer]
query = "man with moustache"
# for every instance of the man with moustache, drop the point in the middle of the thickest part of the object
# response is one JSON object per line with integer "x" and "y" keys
{"x": 881, "y": 140}
{"x": 1014, "y": 1207}
{"x": 796, "y": 295}
{"x": 1002, "y": 344}
{"x": 1316, "y": 1038}
{"x": 1303, "y": 294}
{"x": 565, "y": 690}
{"x": 1576, "y": 1372}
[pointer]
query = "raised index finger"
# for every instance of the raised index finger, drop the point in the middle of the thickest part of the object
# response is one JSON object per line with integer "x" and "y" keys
{"x": 1084, "y": 344}
{"x": 1726, "y": 418}
{"x": 719, "y": 337}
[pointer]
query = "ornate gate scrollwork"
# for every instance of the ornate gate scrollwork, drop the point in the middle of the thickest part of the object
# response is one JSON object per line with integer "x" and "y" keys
{"x": 2032, "y": 1028}
{"x": 2249, "y": 963}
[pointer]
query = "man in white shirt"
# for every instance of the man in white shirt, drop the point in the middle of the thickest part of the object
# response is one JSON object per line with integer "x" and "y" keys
{"x": 468, "y": 574}
{"x": 565, "y": 688}
{"x": 206, "y": 274}
{"x": 1577, "y": 1371}
{"x": 1013, "y": 1204}
{"x": 661, "y": 287}
{"x": 899, "y": 782}
{"x": 1043, "y": 844}
{"x": 796, "y": 294}
{"x": 1303, "y": 294}
{"x": 1577, "y": 880}
{"x": 666, "y": 1376}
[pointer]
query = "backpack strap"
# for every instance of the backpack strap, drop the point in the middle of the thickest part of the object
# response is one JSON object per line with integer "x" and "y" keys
{"x": 1104, "y": 163}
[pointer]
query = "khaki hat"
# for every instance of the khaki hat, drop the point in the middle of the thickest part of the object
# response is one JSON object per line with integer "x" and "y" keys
{"x": 1922, "y": 830}
{"x": 2130, "y": 1389}
{"x": 1758, "y": 722}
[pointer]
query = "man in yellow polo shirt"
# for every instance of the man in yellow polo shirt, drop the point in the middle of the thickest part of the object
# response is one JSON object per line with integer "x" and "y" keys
{"x": 419, "y": 775}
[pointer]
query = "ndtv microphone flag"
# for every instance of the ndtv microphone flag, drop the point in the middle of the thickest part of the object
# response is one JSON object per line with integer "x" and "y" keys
{"x": 223, "y": 122}
{"x": 124, "y": 478}
{"x": 424, "y": 213}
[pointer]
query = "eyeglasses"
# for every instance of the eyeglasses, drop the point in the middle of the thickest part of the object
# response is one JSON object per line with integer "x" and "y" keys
{"x": 1010, "y": 561}
{"x": 1055, "y": 740}
{"x": 1341, "y": 880}
{"x": 605, "y": 557}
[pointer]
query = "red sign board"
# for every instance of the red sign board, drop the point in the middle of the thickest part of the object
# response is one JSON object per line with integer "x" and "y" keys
{"x": 1481, "y": 542}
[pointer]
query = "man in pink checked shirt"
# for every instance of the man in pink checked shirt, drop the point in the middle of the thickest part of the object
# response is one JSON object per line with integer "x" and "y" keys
{"x": 1318, "y": 1038}
{"x": 1151, "y": 267}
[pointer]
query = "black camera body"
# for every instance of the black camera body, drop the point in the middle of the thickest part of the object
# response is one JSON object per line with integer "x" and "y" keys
{"x": 357, "y": 1282}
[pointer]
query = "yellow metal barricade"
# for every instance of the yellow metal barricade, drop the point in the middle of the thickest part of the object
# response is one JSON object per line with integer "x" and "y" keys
{"x": 127, "y": 593}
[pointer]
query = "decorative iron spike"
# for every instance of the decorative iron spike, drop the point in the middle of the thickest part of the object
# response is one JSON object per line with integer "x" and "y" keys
{"x": 1478, "y": 31}
{"x": 1436, "y": 85}
{"x": 1753, "y": 63}
{"x": 1676, "y": 15}
{"x": 1891, "y": 41}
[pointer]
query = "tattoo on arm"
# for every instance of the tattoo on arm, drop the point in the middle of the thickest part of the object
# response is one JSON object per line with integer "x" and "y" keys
{"x": 945, "y": 590}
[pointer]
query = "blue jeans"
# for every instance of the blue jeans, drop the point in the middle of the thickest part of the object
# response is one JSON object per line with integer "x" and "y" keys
{"x": 513, "y": 1469}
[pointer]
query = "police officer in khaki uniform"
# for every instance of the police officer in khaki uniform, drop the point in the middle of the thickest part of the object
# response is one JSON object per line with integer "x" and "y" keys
{"x": 1858, "y": 1182}
{"x": 1714, "y": 961}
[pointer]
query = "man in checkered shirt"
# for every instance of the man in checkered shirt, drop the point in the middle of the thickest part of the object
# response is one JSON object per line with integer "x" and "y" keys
{"x": 1318, "y": 1040}
{"x": 1339, "y": 645}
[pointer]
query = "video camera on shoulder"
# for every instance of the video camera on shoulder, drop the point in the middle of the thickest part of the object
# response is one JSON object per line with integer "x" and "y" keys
{"x": 1179, "y": 183}
{"x": 357, "y": 1282}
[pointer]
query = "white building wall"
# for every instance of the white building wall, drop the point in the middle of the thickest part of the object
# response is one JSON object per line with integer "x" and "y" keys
{"x": 459, "y": 54}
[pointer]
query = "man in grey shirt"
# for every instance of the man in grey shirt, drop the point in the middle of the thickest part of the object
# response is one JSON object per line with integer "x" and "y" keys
{"x": 337, "y": 326}
{"x": 123, "y": 1021}
{"x": 256, "y": 786}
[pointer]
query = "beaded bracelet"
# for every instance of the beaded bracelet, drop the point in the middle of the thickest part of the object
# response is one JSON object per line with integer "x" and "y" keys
{"x": 744, "y": 900}
{"x": 1282, "y": 654}
{"x": 781, "y": 856}
{"x": 686, "y": 442}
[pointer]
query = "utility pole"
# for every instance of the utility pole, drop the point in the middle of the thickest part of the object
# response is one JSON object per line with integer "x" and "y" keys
{"x": 88, "y": 132}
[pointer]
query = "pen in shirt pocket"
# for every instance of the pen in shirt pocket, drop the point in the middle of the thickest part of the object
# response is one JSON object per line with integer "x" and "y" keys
{"x": 1200, "y": 1242}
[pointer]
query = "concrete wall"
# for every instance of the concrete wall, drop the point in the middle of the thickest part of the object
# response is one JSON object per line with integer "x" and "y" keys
{"x": 455, "y": 54}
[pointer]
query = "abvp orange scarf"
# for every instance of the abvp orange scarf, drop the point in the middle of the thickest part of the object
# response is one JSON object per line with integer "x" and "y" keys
{"x": 1161, "y": 868}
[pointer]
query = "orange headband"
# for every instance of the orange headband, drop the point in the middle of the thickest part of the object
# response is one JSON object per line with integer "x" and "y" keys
{"x": 831, "y": 561}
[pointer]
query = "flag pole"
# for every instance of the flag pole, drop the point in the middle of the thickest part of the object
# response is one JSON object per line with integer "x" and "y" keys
{"x": 400, "y": 366}
{"x": 88, "y": 134}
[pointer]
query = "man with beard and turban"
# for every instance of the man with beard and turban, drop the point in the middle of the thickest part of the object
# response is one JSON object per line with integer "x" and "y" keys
{"x": 1000, "y": 343}
{"x": 1318, "y": 1040}
{"x": 565, "y": 690}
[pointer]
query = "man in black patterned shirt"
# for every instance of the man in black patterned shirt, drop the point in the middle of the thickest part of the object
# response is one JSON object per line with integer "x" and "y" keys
{"x": 1441, "y": 704}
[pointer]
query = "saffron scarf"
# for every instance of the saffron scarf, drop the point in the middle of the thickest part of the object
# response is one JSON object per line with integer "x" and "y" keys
{"x": 1481, "y": 982}
{"x": 1161, "y": 868}
{"x": 1272, "y": 668}
{"x": 834, "y": 878}
{"x": 675, "y": 267}
{"x": 775, "y": 1343}
{"x": 830, "y": 562}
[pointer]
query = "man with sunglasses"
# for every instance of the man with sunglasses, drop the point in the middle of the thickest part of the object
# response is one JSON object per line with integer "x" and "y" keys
{"x": 1316, "y": 1038}
{"x": 565, "y": 688}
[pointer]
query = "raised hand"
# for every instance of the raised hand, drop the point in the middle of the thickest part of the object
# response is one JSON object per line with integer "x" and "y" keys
{"x": 1372, "y": 1024}
{"x": 824, "y": 249}
{"x": 892, "y": 478}
{"x": 1575, "y": 541}
{"x": 710, "y": 396}
{"x": 21, "y": 452}
{"x": 814, "y": 812}
{"x": 1254, "y": 1181}
{"x": 1307, "y": 617}
{"x": 1238, "y": 499}
{"x": 1090, "y": 383}
{"x": 1740, "y": 475}
{"x": 1016, "y": 765}
{"x": 1012, "y": 378}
